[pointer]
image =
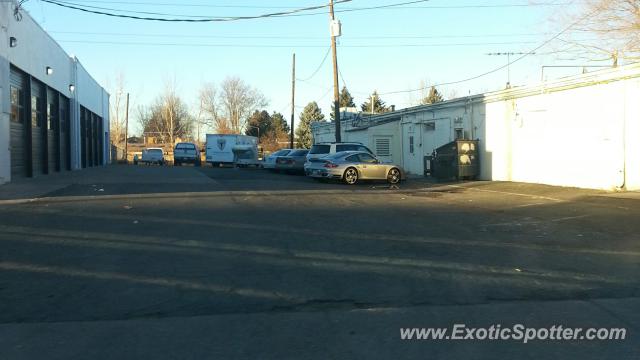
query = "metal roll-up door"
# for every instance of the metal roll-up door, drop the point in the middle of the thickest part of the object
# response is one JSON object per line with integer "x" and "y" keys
{"x": 38, "y": 129}
{"x": 65, "y": 139}
{"x": 17, "y": 138}
{"x": 53, "y": 139}
{"x": 83, "y": 130}
{"x": 100, "y": 142}
{"x": 92, "y": 139}
{"x": 96, "y": 140}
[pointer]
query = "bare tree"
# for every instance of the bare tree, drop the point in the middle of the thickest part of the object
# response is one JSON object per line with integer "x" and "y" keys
{"x": 607, "y": 30}
{"x": 229, "y": 108}
{"x": 168, "y": 118}
{"x": 117, "y": 111}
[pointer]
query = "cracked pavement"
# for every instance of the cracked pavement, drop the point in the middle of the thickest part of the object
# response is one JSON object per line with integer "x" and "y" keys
{"x": 243, "y": 249}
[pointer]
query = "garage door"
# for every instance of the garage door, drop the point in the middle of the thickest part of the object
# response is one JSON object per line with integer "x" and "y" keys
{"x": 18, "y": 132}
{"x": 37, "y": 128}
{"x": 53, "y": 142}
{"x": 64, "y": 133}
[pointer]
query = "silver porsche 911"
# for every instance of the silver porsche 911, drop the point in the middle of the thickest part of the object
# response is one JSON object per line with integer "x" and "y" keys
{"x": 353, "y": 166}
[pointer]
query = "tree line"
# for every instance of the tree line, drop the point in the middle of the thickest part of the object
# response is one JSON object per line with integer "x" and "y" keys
{"x": 232, "y": 107}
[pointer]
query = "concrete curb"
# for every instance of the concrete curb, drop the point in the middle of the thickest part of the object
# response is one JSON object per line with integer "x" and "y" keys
{"x": 208, "y": 194}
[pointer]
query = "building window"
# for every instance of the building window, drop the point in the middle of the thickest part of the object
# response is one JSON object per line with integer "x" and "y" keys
{"x": 16, "y": 105}
{"x": 49, "y": 117}
{"x": 383, "y": 146}
{"x": 36, "y": 113}
{"x": 459, "y": 134}
{"x": 430, "y": 126}
{"x": 411, "y": 144}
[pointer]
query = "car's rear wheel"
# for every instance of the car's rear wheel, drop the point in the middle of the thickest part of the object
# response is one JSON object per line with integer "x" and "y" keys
{"x": 394, "y": 176}
{"x": 176, "y": 163}
{"x": 350, "y": 176}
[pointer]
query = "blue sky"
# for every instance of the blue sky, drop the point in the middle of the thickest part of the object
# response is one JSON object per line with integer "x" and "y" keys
{"x": 388, "y": 50}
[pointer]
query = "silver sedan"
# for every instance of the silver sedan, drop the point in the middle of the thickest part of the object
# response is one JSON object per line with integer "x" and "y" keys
{"x": 353, "y": 166}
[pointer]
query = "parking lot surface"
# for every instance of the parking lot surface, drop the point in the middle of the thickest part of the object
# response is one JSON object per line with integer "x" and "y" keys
{"x": 244, "y": 263}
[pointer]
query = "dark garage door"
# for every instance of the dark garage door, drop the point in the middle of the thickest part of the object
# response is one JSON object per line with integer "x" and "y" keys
{"x": 64, "y": 133}
{"x": 37, "y": 128}
{"x": 18, "y": 132}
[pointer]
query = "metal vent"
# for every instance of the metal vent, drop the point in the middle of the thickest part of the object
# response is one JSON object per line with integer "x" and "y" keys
{"x": 383, "y": 146}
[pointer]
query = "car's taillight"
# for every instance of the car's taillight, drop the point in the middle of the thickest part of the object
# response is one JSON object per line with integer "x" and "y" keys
{"x": 330, "y": 165}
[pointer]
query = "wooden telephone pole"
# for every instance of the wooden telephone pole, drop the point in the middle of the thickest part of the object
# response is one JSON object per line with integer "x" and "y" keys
{"x": 293, "y": 102}
{"x": 336, "y": 90}
{"x": 126, "y": 132}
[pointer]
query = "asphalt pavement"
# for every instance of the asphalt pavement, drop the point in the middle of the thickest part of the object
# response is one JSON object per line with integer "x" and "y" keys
{"x": 194, "y": 263}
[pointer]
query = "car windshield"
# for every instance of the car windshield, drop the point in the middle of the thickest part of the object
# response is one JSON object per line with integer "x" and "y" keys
{"x": 282, "y": 152}
{"x": 320, "y": 149}
{"x": 185, "y": 147}
{"x": 337, "y": 155}
{"x": 155, "y": 151}
{"x": 346, "y": 147}
{"x": 298, "y": 153}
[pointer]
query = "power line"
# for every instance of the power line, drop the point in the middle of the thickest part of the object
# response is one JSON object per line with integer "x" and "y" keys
{"x": 319, "y": 66}
{"x": 260, "y": 36}
{"x": 212, "y": 19}
{"x": 501, "y": 67}
{"x": 553, "y": 3}
{"x": 293, "y": 45}
{"x": 294, "y": 12}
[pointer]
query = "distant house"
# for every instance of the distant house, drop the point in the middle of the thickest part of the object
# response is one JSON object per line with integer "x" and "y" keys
{"x": 580, "y": 131}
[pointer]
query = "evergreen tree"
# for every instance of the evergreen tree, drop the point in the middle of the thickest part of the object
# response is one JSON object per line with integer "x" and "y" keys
{"x": 310, "y": 114}
{"x": 378, "y": 105}
{"x": 278, "y": 122}
{"x": 258, "y": 124}
{"x": 433, "y": 97}
{"x": 346, "y": 100}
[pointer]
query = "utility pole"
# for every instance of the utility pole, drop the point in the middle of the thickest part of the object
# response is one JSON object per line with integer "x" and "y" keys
{"x": 293, "y": 102}
{"x": 372, "y": 100}
{"x": 335, "y": 31}
{"x": 126, "y": 131}
{"x": 508, "y": 55}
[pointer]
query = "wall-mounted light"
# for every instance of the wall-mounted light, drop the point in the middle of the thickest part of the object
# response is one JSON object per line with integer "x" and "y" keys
{"x": 13, "y": 42}
{"x": 49, "y": 70}
{"x": 72, "y": 87}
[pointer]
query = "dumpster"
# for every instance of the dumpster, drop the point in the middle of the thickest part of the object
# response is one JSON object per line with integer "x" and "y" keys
{"x": 456, "y": 160}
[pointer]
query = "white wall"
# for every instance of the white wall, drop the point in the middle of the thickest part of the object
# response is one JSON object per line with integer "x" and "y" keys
{"x": 36, "y": 51}
{"x": 89, "y": 92}
{"x": 432, "y": 127}
{"x": 581, "y": 136}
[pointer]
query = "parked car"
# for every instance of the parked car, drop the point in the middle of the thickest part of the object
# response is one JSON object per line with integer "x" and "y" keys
{"x": 186, "y": 153}
{"x": 353, "y": 166}
{"x": 320, "y": 150}
{"x": 292, "y": 162}
{"x": 270, "y": 161}
{"x": 152, "y": 156}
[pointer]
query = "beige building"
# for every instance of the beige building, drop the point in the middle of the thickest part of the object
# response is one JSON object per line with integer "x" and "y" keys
{"x": 580, "y": 131}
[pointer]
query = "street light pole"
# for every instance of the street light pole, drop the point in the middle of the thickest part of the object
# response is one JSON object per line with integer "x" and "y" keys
{"x": 336, "y": 94}
{"x": 257, "y": 128}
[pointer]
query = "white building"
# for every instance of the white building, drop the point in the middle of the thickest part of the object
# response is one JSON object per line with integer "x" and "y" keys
{"x": 581, "y": 131}
{"x": 53, "y": 115}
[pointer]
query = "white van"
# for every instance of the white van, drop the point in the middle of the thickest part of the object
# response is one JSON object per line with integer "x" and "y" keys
{"x": 232, "y": 149}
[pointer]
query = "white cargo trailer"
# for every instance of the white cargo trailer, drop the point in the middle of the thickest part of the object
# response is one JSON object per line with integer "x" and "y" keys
{"x": 241, "y": 150}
